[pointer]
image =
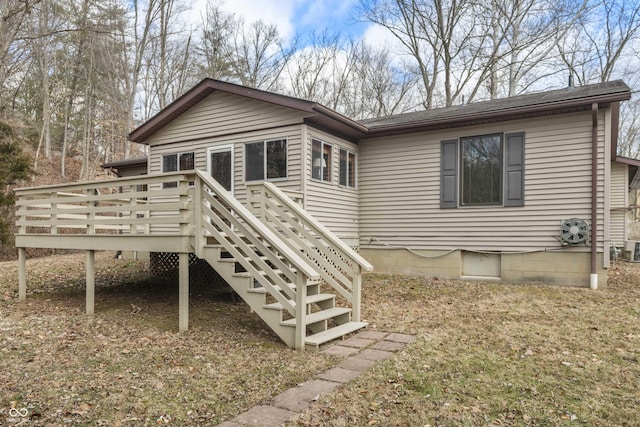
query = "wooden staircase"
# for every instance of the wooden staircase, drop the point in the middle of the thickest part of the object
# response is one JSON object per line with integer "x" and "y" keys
{"x": 280, "y": 262}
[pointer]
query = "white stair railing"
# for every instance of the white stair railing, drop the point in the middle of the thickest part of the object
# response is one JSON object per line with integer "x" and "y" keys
{"x": 338, "y": 264}
{"x": 260, "y": 251}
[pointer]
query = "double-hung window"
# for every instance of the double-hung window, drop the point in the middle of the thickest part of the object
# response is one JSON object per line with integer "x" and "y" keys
{"x": 482, "y": 170}
{"x": 266, "y": 160}
{"x": 321, "y": 160}
{"x": 347, "y": 168}
{"x": 177, "y": 162}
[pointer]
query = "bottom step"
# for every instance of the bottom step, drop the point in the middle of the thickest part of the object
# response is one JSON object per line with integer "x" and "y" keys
{"x": 320, "y": 338}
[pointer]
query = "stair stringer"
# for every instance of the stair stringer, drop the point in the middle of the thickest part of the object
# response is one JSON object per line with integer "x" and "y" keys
{"x": 243, "y": 286}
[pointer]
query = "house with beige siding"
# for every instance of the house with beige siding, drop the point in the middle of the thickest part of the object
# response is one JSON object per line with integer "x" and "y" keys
{"x": 525, "y": 189}
{"x": 414, "y": 203}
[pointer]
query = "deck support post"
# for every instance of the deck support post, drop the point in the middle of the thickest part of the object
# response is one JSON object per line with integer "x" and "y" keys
{"x": 356, "y": 293}
{"x": 301, "y": 312}
{"x": 22, "y": 274}
{"x": 91, "y": 281}
{"x": 183, "y": 293}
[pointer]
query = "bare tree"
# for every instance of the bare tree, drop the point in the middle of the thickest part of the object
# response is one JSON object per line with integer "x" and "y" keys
{"x": 140, "y": 26}
{"x": 309, "y": 70}
{"x": 215, "y": 50}
{"x": 260, "y": 55}
{"x": 466, "y": 49}
{"x": 354, "y": 78}
{"x": 13, "y": 15}
{"x": 403, "y": 18}
{"x": 385, "y": 88}
{"x": 602, "y": 42}
{"x": 41, "y": 51}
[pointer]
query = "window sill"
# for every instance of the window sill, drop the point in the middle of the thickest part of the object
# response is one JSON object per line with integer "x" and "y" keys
{"x": 346, "y": 187}
{"x": 258, "y": 181}
{"x": 322, "y": 181}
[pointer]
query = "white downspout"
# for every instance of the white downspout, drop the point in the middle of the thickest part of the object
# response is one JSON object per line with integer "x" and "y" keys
{"x": 593, "y": 280}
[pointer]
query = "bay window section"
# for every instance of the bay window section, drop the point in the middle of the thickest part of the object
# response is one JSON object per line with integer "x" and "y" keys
{"x": 347, "y": 168}
{"x": 321, "y": 157}
{"x": 276, "y": 159}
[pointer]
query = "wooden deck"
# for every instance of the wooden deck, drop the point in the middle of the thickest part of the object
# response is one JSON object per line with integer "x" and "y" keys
{"x": 289, "y": 260}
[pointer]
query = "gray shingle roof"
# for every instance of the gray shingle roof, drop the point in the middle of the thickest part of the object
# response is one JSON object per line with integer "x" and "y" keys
{"x": 530, "y": 105}
{"x": 572, "y": 98}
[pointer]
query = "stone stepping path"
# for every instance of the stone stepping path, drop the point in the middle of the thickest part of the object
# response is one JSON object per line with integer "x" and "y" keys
{"x": 360, "y": 352}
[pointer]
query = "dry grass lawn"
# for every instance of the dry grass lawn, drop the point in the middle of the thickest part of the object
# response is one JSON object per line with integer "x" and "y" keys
{"x": 487, "y": 354}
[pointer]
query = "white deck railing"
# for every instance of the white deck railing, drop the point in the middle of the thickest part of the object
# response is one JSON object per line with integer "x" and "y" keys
{"x": 284, "y": 250}
{"x": 117, "y": 206}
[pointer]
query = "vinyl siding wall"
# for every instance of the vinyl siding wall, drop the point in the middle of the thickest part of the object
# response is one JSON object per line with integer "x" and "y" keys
{"x": 335, "y": 206}
{"x": 223, "y": 119}
{"x": 291, "y": 133}
{"x": 619, "y": 201}
{"x": 400, "y": 189}
{"x": 224, "y": 114}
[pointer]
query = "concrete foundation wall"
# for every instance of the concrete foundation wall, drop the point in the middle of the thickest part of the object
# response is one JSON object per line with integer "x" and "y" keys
{"x": 554, "y": 268}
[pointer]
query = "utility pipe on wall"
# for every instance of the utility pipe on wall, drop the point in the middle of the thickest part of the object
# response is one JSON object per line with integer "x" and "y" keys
{"x": 593, "y": 282}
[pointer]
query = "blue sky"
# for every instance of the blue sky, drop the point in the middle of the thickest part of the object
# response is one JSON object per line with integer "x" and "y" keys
{"x": 291, "y": 16}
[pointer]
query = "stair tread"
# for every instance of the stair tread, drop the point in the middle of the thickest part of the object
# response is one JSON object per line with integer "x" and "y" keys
{"x": 319, "y": 316}
{"x": 291, "y": 285}
{"x": 334, "y": 333}
{"x": 247, "y": 274}
{"x": 311, "y": 299}
{"x": 262, "y": 290}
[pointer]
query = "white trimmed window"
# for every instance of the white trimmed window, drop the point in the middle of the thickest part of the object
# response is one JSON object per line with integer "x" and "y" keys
{"x": 177, "y": 162}
{"x": 266, "y": 160}
{"x": 347, "y": 168}
{"x": 321, "y": 158}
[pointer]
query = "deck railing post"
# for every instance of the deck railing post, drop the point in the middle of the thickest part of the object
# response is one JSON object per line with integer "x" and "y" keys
{"x": 263, "y": 203}
{"x": 54, "y": 216}
{"x": 184, "y": 212}
{"x": 301, "y": 311}
{"x": 91, "y": 281}
{"x": 91, "y": 215}
{"x": 183, "y": 293}
{"x": 197, "y": 215}
{"x": 22, "y": 274}
{"x": 356, "y": 293}
{"x": 133, "y": 214}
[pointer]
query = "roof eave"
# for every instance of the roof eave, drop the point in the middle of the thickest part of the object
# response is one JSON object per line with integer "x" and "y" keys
{"x": 205, "y": 88}
{"x": 498, "y": 115}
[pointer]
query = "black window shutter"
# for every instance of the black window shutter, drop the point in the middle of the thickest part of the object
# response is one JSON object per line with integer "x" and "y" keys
{"x": 514, "y": 173}
{"x": 449, "y": 174}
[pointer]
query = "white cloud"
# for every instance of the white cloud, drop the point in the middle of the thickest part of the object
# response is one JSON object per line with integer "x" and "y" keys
{"x": 278, "y": 12}
{"x": 377, "y": 35}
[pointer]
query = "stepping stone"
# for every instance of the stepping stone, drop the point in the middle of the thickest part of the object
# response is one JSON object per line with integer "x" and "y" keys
{"x": 263, "y": 416}
{"x": 339, "y": 375}
{"x": 299, "y": 398}
{"x": 403, "y": 338}
{"x": 230, "y": 424}
{"x": 375, "y": 355}
{"x": 354, "y": 363}
{"x": 357, "y": 342}
{"x": 372, "y": 335}
{"x": 339, "y": 350}
{"x": 388, "y": 346}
